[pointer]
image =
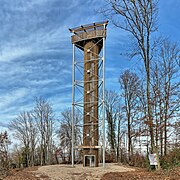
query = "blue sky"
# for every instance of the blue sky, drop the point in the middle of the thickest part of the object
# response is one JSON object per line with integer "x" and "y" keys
{"x": 36, "y": 50}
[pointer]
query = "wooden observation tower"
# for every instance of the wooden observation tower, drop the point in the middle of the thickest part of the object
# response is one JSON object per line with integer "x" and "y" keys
{"x": 90, "y": 40}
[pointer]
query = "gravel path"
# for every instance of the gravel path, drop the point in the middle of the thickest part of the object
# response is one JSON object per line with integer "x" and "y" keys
{"x": 66, "y": 172}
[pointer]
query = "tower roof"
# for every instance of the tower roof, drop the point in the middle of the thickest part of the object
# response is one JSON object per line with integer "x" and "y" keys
{"x": 89, "y": 27}
{"x": 89, "y": 32}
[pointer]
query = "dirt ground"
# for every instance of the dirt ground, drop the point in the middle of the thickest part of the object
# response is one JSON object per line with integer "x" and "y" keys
{"x": 142, "y": 174}
{"x": 110, "y": 172}
{"x": 25, "y": 174}
{"x": 66, "y": 172}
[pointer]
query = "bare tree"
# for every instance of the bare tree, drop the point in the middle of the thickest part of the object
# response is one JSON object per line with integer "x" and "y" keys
{"x": 176, "y": 130}
{"x": 65, "y": 133}
{"x": 17, "y": 155}
{"x": 4, "y": 159}
{"x": 138, "y": 17}
{"x": 120, "y": 133}
{"x": 26, "y": 132}
{"x": 166, "y": 88}
{"x": 130, "y": 84}
{"x": 112, "y": 109}
{"x": 169, "y": 53}
{"x": 44, "y": 117}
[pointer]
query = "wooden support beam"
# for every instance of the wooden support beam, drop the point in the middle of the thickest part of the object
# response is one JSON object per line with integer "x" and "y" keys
{"x": 88, "y": 147}
{"x": 83, "y": 28}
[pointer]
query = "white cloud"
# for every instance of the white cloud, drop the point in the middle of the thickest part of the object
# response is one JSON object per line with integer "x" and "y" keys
{"x": 11, "y": 97}
{"x": 38, "y": 42}
{"x": 11, "y": 54}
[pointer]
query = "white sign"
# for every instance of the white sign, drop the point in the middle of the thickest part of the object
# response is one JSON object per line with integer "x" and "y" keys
{"x": 153, "y": 159}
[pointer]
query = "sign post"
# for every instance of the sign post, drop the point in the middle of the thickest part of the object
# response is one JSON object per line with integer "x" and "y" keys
{"x": 153, "y": 160}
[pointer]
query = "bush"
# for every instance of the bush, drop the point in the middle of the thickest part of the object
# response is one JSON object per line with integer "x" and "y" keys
{"x": 171, "y": 160}
{"x": 138, "y": 160}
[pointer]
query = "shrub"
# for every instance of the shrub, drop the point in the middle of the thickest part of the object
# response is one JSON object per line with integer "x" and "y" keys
{"x": 171, "y": 160}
